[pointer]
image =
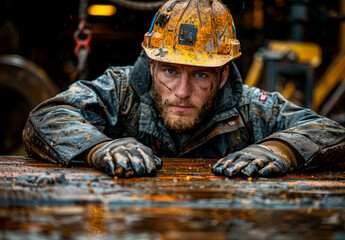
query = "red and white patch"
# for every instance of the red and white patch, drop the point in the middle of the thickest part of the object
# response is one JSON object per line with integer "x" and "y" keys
{"x": 263, "y": 96}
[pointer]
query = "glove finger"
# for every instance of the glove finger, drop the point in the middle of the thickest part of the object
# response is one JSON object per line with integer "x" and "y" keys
{"x": 253, "y": 167}
{"x": 137, "y": 161}
{"x": 158, "y": 162}
{"x": 100, "y": 159}
{"x": 149, "y": 162}
{"x": 110, "y": 167}
{"x": 281, "y": 165}
{"x": 214, "y": 166}
{"x": 219, "y": 167}
{"x": 241, "y": 162}
{"x": 272, "y": 169}
{"x": 147, "y": 151}
{"x": 123, "y": 163}
{"x": 104, "y": 161}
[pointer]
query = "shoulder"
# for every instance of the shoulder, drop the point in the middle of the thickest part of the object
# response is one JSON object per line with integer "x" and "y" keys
{"x": 249, "y": 95}
{"x": 257, "y": 96}
{"x": 118, "y": 73}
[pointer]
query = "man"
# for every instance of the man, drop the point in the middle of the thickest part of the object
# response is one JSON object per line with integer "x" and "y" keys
{"x": 183, "y": 98}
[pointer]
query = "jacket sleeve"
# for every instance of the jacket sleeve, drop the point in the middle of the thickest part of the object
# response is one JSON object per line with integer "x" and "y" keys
{"x": 67, "y": 125}
{"x": 318, "y": 142}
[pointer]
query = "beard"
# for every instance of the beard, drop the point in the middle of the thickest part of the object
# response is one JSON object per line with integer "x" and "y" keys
{"x": 176, "y": 124}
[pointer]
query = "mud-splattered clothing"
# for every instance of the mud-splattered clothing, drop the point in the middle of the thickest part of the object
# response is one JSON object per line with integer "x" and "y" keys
{"x": 120, "y": 104}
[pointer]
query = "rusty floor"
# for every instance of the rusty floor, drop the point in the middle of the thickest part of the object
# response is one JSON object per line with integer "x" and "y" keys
{"x": 184, "y": 201}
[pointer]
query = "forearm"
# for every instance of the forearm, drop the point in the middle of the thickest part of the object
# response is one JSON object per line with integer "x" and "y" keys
{"x": 69, "y": 124}
{"x": 308, "y": 153}
{"x": 60, "y": 146}
{"x": 311, "y": 137}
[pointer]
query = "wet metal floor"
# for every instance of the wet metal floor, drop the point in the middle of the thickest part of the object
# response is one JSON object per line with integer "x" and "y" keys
{"x": 184, "y": 201}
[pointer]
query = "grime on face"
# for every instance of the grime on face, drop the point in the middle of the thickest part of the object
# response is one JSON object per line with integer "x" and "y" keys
{"x": 184, "y": 95}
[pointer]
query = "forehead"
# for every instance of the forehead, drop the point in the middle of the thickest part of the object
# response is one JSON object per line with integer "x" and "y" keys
{"x": 182, "y": 67}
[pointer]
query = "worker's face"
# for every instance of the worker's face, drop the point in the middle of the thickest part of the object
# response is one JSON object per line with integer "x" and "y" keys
{"x": 183, "y": 94}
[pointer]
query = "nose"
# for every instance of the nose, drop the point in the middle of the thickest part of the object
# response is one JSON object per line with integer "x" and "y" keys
{"x": 183, "y": 89}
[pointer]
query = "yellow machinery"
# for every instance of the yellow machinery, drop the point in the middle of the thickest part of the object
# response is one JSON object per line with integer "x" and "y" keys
{"x": 333, "y": 80}
{"x": 282, "y": 57}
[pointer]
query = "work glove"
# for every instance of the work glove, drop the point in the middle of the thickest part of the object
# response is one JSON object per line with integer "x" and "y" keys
{"x": 124, "y": 157}
{"x": 257, "y": 159}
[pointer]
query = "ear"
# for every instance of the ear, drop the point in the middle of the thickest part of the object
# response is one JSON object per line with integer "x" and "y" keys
{"x": 151, "y": 66}
{"x": 224, "y": 77}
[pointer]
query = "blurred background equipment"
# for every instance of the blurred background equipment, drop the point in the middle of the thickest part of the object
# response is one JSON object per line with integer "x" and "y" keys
{"x": 23, "y": 85}
{"x": 286, "y": 58}
{"x": 294, "y": 46}
{"x": 292, "y": 65}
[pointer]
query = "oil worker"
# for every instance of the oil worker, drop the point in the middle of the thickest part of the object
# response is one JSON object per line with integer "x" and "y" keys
{"x": 184, "y": 97}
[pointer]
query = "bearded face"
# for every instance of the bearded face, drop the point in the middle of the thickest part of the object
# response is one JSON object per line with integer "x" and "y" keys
{"x": 184, "y": 95}
{"x": 181, "y": 121}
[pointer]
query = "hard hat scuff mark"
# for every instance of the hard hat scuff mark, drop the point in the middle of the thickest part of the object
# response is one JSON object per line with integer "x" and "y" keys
{"x": 184, "y": 11}
{"x": 198, "y": 11}
{"x": 162, "y": 20}
{"x": 171, "y": 6}
{"x": 161, "y": 52}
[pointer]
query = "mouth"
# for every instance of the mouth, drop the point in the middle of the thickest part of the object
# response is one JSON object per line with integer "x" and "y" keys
{"x": 182, "y": 108}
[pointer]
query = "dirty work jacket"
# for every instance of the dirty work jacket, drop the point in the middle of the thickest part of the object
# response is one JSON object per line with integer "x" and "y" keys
{"x": 119, "y": 104}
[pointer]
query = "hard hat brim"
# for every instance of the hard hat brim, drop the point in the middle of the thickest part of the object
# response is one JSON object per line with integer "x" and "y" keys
{"x": 185, "y": 57}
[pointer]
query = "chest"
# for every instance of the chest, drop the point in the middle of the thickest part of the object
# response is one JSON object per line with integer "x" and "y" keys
{"x": 216, "y": 141}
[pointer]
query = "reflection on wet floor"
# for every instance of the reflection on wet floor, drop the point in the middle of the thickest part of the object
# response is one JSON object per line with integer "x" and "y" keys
{"x": 94, "y": 221}
{"x": 184, "y": 201}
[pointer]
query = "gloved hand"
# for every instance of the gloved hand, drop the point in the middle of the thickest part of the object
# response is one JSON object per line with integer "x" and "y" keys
{"x": 124, "y": 157}
{"x": 253, "y": 160}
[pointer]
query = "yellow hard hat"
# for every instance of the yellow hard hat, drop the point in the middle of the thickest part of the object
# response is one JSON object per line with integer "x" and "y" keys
{"x": 192, "y": 32}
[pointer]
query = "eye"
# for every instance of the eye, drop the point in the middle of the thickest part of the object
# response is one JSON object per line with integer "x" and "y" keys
{"x": 169, "y": 71}
{"x": 200, "y": 75}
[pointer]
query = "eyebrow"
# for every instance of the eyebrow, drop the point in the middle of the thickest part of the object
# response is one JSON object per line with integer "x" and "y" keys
{"x": 209, "y": 70}
{"x": 202, "y": 69}
{"x": 166, "y": 65}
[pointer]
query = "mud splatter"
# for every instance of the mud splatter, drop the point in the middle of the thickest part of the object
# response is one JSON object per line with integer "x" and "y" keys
{"x": 88, "y": 136}
{"x": 165, "y": 85}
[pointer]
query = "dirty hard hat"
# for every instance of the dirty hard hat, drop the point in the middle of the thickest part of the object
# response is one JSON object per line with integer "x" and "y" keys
{"x": 192, "y": 32}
